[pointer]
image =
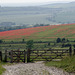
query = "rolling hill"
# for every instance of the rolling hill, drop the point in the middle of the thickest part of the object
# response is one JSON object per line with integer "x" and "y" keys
{"x": 57, "y": 13}
{"x": 41, "y": 33}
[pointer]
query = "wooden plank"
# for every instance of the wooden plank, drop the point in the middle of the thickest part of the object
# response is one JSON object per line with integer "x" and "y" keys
{"x": 46, "y": 55}
{"x": 70, "y": 51}
{"x": 24, "y": 56}
{"x": 17, "y": 56}
{"x": 5, "y": 55}
{"x": 11, "y": 56}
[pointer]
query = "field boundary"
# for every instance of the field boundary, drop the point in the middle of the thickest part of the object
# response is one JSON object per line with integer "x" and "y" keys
{"x": 36, "y": 55}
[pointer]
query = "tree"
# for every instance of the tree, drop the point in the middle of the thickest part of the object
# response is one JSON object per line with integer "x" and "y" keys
{"x": 1, "y": 41}
{"x": 29, "y": 44}
{"x": 58, "y": 40}
{"x": 23, "y": 40}
{"x": 63, "y": 40}
{"x": 67, "y": 40}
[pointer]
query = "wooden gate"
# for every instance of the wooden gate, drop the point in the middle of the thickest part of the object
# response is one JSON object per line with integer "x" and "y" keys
{"x": 15, "y": 56}
{"x": 36, "y": 55}
{"x": 48, "y": 55}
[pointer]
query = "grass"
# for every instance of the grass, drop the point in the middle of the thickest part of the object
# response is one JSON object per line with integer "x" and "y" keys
{"x": 1, "y": 68}
{"x": 67, "y": 64}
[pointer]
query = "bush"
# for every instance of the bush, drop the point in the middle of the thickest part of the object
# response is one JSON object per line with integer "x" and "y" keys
{"x": 58, "y": 40}
{"x": 29, "y": 44}
{"x": 1, "y": 41}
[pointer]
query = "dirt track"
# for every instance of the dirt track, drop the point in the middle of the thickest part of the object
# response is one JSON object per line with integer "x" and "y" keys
{"x": 37, "y": 68}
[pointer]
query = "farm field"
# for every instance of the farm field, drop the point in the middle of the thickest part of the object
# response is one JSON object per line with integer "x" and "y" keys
{"x": 37, "y": 33}
{"x": 42, "y": 33}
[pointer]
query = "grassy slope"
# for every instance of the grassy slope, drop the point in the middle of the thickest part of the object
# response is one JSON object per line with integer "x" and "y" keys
{"x": 1, "y": 68}
{"x": 68, "y": 64}
{"x": 41, "y": 33}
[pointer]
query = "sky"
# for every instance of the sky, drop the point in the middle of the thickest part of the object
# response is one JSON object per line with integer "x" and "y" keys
{"x": 29, "y": 1}
{"x": 9, "y": 2}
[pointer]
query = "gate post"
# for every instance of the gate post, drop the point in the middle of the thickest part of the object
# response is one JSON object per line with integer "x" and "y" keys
{"x": 18, "y": 57}
{"x": 74, "y": 52}
{"x": 5, "y": 55}
{"x": 11, "y": 56}
{"x": 28, "y": 55}
{"x": 0, "y": 55}
{"x": 70, "y": 51}
{"x": 24, "y": 56}
{"x": 74, "y": 49}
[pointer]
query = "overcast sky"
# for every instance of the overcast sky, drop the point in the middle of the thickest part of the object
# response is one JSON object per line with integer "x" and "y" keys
{"x": 29, "y": 1}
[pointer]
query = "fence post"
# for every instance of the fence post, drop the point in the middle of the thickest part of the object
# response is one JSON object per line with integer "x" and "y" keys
{"x": 18, "y": 57}
{"x": 74, "y": 51}
{"x": 28, "y": 55}
{"x": 5, "y": 55}
{"x": 70, "y": 51}
{"x": 11, "y": 56}
{"x": 24, "y": 55}
{"x": 0, "y": 55}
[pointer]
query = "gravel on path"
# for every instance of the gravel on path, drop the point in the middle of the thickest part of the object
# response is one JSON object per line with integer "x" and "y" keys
{"x": 37, "y": 68}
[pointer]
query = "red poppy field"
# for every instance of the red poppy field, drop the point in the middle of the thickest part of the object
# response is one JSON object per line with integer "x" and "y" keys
{"x": 41, "y": 33}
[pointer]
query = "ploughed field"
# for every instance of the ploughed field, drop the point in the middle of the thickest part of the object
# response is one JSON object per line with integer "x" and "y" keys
{"x": 41, "y": 33}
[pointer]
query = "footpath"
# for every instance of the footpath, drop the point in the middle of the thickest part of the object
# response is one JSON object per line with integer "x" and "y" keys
{"x": 37, "y": 68}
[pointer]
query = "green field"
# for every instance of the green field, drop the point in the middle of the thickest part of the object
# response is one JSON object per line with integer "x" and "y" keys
{"x": 44, "y": 33}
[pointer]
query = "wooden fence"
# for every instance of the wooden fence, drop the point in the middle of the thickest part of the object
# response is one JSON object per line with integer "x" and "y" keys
{"x": 37, "y": 55}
